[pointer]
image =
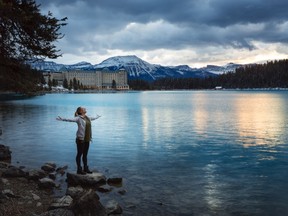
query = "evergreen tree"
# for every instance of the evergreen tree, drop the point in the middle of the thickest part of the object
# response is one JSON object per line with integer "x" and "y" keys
{"x": 70, "y": 85}
{"x": 113, "y": 84}
{"x": 75, "y": 84}
{"x": 54, "y": 82}
{"x": 25, "y": 33}
{"x": 50, "y": 83}
{"x": 78, "y": 84}
{"x": 65, "y": 83}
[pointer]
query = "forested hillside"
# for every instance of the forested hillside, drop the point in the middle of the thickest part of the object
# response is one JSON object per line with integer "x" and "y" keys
{"x": 269, "y": 75}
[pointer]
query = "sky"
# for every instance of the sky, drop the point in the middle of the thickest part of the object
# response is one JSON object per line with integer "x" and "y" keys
{"x": 172, "y": 32}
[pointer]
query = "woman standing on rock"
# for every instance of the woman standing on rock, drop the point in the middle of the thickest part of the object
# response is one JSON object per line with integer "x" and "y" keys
{"x": 83, "y": 137}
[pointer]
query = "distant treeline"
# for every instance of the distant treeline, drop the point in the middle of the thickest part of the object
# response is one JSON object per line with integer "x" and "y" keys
{"x": 269, "y": 75}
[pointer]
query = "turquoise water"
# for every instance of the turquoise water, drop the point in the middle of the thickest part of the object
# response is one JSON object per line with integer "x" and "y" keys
{"x": 179, "y": 152}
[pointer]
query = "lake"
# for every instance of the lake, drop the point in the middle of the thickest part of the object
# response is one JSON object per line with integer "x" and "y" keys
{"x": 179, "y": 152}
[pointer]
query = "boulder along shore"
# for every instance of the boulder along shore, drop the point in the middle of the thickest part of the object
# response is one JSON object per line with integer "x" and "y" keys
{"x": 51, "y": 190}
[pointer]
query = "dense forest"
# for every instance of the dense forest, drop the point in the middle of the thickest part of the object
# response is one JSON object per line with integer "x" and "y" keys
{"x": 272, "y": 74}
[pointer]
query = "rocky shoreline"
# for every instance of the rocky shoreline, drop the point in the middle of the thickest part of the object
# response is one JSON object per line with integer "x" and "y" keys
{"x": 38, "y": 192}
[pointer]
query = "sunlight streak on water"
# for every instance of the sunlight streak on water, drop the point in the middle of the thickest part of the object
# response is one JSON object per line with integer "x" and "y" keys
{"x": 259, "y": 120}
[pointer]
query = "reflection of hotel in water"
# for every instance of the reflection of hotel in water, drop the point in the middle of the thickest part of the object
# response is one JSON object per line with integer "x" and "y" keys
{"x": 92, "y": 79}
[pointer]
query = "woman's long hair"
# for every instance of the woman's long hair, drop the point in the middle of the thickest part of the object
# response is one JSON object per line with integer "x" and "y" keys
{"x": 78, "y": 111}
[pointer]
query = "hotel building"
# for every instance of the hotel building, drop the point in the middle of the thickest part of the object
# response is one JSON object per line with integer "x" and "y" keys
{"x": 92, "y": 79}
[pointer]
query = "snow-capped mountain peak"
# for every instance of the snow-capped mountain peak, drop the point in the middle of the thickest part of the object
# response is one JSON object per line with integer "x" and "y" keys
{"x": 122, "y": 61}
{"x": 135, "y": 66}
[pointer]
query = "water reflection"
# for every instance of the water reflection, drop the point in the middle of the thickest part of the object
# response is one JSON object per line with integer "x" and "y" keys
{"x": 201, "y": 114}
{"x": 212, "y": 188}
{"x": 145, "y": 126}
{"x": 258, "y": 121}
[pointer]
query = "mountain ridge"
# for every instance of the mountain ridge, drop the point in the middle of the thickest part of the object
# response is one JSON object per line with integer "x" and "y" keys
{"x": 138, "y": 68}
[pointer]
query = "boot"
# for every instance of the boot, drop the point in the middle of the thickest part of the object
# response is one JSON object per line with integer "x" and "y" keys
{"x": 86, "y": 169}
{"x": 80, "y": 171}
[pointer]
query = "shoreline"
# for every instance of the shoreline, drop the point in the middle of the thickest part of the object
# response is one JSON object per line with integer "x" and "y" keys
{"x": 52, "y": 190}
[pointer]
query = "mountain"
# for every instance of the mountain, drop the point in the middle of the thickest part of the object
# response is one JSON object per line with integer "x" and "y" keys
{"x": 49, "y": 66}
{"x": 139, "y": 69}
{"x": 136, "y": 67}
{"x": 221, "y": 69}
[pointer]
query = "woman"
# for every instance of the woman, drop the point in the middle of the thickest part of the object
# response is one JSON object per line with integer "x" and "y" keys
{"x": 83, "y": 137}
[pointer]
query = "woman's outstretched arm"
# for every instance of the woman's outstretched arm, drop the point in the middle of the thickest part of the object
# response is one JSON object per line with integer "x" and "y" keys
{"x": 67, "y": 120}
{"x": 94, "y": 118}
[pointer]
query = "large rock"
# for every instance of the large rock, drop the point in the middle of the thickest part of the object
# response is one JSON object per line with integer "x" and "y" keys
{"x": 61, "y": 170}
{"x": 5, "y": 153}
{"x": 104, "y": 189}
{"x": 36, "y": 174}
{"x": 14, "y": 172}
{"x": 46, "y": 183}
{"x": 116, "y": 181}
{"x": 112, "y": 207}
{"x": 88, "y": 204}
{"x": 49, "y": 167}
{"x": 94, "y": 179}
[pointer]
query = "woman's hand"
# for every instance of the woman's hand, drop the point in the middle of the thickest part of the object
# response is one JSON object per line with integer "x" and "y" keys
{"x": 59, "y": 118}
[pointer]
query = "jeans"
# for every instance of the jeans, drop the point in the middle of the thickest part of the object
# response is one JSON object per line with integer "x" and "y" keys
{"x": 82, "y": 151}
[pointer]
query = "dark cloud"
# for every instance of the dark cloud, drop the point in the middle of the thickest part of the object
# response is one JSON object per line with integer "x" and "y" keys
{"x": 129, "y": 25}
